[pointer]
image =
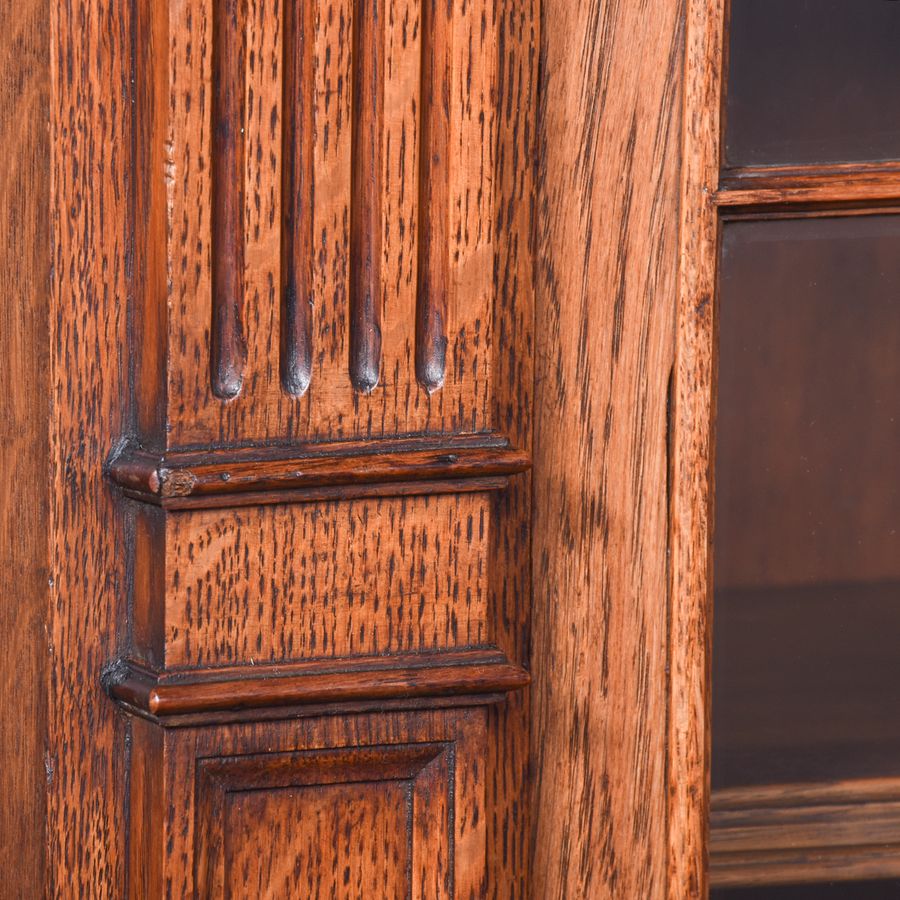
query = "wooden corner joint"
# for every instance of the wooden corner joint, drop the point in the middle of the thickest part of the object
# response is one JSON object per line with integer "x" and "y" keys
{"x": 453, "y": 678}
{"x": 391, "y": 467}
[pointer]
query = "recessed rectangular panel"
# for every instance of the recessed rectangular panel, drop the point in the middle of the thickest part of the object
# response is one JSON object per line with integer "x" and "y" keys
{"x": 382, "y": 805}
{"x": 355, "y": 578}
{"x": 812, "y": 81}
{"x": 336, "y": 840}
{"x": 807, "y": 547}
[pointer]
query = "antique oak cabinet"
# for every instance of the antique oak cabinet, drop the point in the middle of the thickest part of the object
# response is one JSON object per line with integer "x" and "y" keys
{"x": 361, "y": 364}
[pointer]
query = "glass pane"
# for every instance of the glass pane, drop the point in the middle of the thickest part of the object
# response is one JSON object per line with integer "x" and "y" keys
{"x": 806, "y": 646}
{"x": 813, "y": 81}
{"x": 852, "y": 890}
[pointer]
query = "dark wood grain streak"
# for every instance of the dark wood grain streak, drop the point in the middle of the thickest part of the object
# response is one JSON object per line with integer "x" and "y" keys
{"x": 365, "y": 200}
{"x": 607, "y": 258}
{"x": 434, "y": 195}
{"x": 173, "y": 476}
{"x": 298, "y": 196}
{"x": 464, "y": 673}
{"x": 228, "y": 350}
{"x": 25, "y": 257}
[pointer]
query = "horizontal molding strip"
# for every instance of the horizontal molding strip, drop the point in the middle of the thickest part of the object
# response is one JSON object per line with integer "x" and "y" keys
{"x": 458, "y": 678}
{"x": 393, "y": 467}
{"x": 831, "y": 186}
{"x": 830, "y": 831}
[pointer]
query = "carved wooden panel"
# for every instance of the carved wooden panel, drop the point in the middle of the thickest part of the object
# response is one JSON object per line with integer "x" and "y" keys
{"x": 331, "y": 418}
{"x": 316, "y": 231}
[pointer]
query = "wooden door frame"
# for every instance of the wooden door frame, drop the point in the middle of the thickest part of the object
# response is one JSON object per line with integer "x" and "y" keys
{"x": 626, "y": 237}
{"x": 692, "y": 448}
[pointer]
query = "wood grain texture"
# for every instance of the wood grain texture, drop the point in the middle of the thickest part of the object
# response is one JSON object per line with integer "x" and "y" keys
{"x": 279, "y": 583}
{"x": 25, "y": 257}
{"x": 692, "y": 452}
{"x": 517, "y": 27}
{"x": 91, "y": 73}
{"x": 607, "y": 254}
{"x": 365, "y": 195}
{"x": 363, "y": 159}
{"x": 805, "y": 833}
{"x": 354, "y": 837}
{"x": 290, "y": 769}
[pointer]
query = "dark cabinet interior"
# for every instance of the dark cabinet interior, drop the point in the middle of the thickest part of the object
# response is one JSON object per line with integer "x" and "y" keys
{"x": 807, "y": 549}
{"x": 812, "y": 81}
{"x": 858, "y": 890}
{"x": 806, "y": 661}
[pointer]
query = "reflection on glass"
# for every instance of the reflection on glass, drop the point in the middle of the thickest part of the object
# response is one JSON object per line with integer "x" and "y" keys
{"x": 813, "y": 81}
{"x": 806, "y": 654}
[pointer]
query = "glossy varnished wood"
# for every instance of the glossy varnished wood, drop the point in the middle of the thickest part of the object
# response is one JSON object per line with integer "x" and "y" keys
{"x": 342, "y": 578}
{"x": 607, "y": 251}
{"x": 352, "y": 495}
{"x": 291, "y": 406}
{"x": 352, "y": 808}
{"x": 298, "y": 196}
{"x": 230, "y": 65}
{"x": 25, "y": 256}
{"x": 186, "y": 323}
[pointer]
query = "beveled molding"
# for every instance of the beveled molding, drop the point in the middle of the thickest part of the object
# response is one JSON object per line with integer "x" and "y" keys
{"x": 209, "y": 478}
{"x": 210, "y": 696}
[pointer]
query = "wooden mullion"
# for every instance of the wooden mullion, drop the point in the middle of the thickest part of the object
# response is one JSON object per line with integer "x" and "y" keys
{"x": 839, "y": 185}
